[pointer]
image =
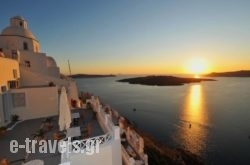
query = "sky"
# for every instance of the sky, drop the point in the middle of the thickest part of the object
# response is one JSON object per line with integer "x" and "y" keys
{"x": 138, "y": 36}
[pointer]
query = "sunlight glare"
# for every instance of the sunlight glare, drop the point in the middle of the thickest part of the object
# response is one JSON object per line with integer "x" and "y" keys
{"x": 197, "y": 66}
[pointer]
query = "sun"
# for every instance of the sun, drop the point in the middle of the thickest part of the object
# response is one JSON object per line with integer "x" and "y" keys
{"x": 197, "y": 66}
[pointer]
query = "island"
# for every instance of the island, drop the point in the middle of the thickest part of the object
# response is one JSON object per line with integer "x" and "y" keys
{"x": 91, "y": 75}
{"x": 240, "y": 73}
{"x": 163, "y": 80}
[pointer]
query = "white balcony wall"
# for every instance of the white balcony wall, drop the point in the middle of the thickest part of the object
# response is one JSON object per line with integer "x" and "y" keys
{"x": 109, "y": 154}
{"x": 104, "y": 157}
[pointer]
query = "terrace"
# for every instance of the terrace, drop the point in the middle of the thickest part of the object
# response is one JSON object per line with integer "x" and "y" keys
{"x": 26, "y": 129}
{"x": 95, "y": 123}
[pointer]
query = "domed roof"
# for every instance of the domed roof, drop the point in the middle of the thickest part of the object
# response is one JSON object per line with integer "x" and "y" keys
{"x": 51, "y": 62}
{"x": 18, "y": 17}
{"x": 17, "y": 31}
{"x": 18, "y": 27}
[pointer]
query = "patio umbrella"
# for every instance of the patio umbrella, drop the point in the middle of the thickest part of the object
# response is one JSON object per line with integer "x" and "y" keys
{"x": 64, "y": 111}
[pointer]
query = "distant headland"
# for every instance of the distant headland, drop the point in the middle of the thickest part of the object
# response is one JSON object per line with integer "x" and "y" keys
{"x": 241, "y": 73}
{"x": 91, "y": 75}
{"x": 163, "y": 80}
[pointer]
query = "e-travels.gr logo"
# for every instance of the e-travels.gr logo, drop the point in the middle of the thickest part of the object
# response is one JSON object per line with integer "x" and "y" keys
{"x": 50, "y": 146}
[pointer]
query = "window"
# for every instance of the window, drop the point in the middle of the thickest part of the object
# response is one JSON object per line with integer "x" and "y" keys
{"x": 14, "y": 54}
{"x": 15, "y": 73}
{"x": 25, "y": 46}
{"x": 3, "y": 88}
{"x": 18, "y": 100}
{"x": 20, "y": 23}
{"x": 12, "y": 84}
{"x": 27, "y": 64}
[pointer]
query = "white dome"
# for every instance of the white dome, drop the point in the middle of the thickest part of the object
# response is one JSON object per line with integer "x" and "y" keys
{"x": 16, "y": 31}
{"x": 18, "y": 17}
{"x": 51, "y": 62}
{"x": 18, "y": 27}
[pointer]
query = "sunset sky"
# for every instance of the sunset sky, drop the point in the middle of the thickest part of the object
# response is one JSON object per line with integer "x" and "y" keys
{"x": 138, "y": 36}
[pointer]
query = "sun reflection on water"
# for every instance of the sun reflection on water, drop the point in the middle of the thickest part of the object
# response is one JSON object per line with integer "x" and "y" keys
{"x": 192, "y": 130}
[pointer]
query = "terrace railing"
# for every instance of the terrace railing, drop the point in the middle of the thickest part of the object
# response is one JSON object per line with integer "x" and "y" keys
{"x": 83, "y": 145}
{"x": 94, "y": 141}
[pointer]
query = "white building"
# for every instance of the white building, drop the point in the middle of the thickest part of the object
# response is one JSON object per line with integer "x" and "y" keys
{"x": 18, "y": 42}
{"x": 28, "y": 77}
{"x": 30, "y": 83}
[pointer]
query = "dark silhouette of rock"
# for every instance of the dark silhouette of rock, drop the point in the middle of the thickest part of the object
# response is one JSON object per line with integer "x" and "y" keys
{"x": 241, "y": 73}
{"x": 163, "y": 80}
{"x": 90, "y": 75}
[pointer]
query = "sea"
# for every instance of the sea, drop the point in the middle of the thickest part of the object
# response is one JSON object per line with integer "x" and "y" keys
{"x": 210, "y": 119}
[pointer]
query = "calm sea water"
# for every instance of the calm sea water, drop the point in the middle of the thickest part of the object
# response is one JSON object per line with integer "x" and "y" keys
{"x": 211, "y": 119}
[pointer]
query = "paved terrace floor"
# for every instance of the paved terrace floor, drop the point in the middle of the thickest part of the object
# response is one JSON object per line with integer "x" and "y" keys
{"x": 25, "y": 129}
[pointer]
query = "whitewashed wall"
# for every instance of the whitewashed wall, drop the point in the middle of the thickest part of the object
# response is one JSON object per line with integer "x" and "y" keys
{"x": 16, "y": 43}
{"x": 40, "y": 102}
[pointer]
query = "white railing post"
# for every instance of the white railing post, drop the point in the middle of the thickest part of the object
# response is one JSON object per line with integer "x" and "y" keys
{"x": 146, "y": 159}
{"x": 106, "y": 119}
{"x": 65, "y": 156}
{"x": 116, "y": 133}
{"x": 131, "y": 161}
{"x": 99, "y": 107}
